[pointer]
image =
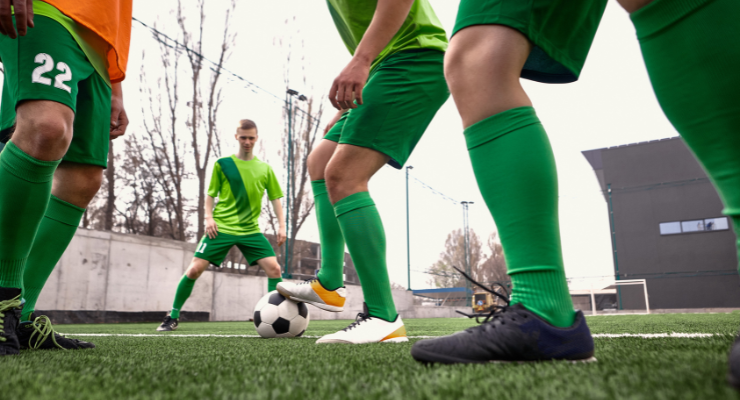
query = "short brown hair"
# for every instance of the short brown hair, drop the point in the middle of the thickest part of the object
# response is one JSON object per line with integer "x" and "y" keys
{"x": 247, "y": 124}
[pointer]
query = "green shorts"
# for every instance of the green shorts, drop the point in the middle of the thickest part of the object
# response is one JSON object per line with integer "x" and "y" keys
{"x": 47, "y": 64}
{"x": 254, "y": 247}
{"x": 562, "y": 31}
{"x": 402, "y": 95}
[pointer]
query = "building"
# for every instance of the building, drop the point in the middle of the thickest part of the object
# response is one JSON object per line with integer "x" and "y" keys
{"x": 667, "y": 227}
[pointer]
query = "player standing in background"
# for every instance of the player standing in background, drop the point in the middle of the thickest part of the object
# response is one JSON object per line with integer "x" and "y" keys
{"x": 692, "y": 56}
{"x": 239, "y": 182}
{"x": 62, "y": 90}
{"x": 386, "y": 96}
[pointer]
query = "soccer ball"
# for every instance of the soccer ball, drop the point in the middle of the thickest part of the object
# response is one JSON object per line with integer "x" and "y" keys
{"x": 277, "y": 317}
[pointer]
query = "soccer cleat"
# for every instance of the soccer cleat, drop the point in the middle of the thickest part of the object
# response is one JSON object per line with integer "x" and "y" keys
{"x": 733, "y": 370}
{"x": 169, "y": 324}
{"x": 312, "y": 292}
{"x": 40, "y": 335}
{"x": 509, "y": 334}
{"x": 10, "y": 314}
{"x": 369, "y": 329}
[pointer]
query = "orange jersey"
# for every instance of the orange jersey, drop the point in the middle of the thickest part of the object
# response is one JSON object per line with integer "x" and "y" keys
{"x": 109, "y": 19}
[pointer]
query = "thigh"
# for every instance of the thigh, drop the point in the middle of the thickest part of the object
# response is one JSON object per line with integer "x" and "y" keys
{"x": 91, "y": 131}
{"x": 215, "y": 250}
{"x": 400, "y": 100}
{"x": 255, "y": 247}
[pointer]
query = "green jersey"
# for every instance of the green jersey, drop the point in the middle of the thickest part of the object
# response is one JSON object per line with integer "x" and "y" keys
{"x": 239, "y": 186}
{"x": 420, "y": 30}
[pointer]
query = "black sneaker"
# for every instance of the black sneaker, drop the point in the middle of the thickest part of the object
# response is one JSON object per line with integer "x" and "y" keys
{"x": 39, "y": 334}
{"x": 509, "y": 334}
{"x": 733, "y": 372}
{"x": 10, "y": 314}
{"x": 169, "y": 324}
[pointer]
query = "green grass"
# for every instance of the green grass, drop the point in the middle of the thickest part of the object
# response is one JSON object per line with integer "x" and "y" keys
{"x": 166, "y": 367}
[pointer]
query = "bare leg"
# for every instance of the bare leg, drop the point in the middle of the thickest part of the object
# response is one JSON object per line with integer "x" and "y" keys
{"x": 319, "y": 158}
{"x": 633, "y": 5}
{"x": 196, "y": 268}
{"x": 350, "y": 170}
{"x": 270, "y": 266}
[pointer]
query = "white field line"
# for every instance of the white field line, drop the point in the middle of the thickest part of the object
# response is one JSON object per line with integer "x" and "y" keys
{"x": 597, "y": 335}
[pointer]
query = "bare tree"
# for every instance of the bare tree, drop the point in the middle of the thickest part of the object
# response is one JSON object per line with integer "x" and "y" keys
{"x": 110, "y": 176}
{"x": 443, "y": 275}
{"x": 203, "y": 130}
{"x": 493, "y": 267}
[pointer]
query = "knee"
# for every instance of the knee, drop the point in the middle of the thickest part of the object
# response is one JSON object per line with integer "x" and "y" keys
{"x": 334, "y": 177}
{"x": 45, "y": 128}
{"x": 315, "y": 167}
{"x": 196, "y": 268}
{"x": 90, "y": 184}
{"x": 273, "y": 269}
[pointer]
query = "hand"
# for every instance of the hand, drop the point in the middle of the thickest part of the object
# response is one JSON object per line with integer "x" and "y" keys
{"x": 211, "y": 228}
{"x": 118, "y": 117}
{"x": 281, "y": 236}
{"x": 347, "y": 87}
{"x": 334, "y": 121}
{"x": 23, "y": 17}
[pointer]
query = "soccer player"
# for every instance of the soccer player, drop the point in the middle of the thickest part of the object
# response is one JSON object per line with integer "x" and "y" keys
{"x": 692, "y": 57}
{"x": 386, "y": 96}
{"x": 63, "y": 61}
{"x": 239, "y": 182}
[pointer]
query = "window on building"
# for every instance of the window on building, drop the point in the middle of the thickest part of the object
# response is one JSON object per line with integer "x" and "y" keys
{"x": 698, "y": 225}
{"x": 692, "y": 226}
{"x": 670, "y": 228}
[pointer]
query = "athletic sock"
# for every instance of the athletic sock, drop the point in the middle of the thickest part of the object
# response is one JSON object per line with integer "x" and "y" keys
{"x": 183, "y": 292}
{"x": 363, "y": 231}
{"x": 331, "y": 274}
{"x": 272, "y": 283}
{"x": 691, "y": 54}
{"x": 56, "y": 230}
{"x": 24, "y": 196}
{"x": 515, "y": 169}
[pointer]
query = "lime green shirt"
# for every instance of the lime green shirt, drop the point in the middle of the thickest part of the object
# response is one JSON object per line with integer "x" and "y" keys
{"x": 421, "y": 30}
{"x": 240, "y": 186}
{"x": 94, "y": 47}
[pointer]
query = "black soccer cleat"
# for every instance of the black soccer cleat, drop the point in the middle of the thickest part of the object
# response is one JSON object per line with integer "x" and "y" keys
{"x": 169, "y": 324}
{"x": 39, "y": 334}
{"x": 733, "y": 370}
{"x": 509, "y": 334}
{"x": 10, "y": 315}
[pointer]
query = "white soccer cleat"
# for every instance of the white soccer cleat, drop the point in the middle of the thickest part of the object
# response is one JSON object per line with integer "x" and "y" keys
{"x": 312, "y": 292}
{"x": 367, "y": 329}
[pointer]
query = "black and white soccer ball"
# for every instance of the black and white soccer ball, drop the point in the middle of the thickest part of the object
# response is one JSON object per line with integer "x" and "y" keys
{"x": 277, "y": 317}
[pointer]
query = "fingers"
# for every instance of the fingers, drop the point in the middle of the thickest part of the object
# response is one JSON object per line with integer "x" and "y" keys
{"x": 347, "y": 99}
{"x": 358, "y": 93}
{"x": 20, "y": 16}
{"x": 6, "y": 20}
{"x": 29, "y": 13}
{"x": 333, "y": 95}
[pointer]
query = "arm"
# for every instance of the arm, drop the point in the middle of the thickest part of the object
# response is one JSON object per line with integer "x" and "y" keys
{"x": 118, "y": 117}
{"x": 23, "y": 17}
{"x": 388, "y": 19}
{"x": 211, "y": 227}
{"x": 278, "y": 208}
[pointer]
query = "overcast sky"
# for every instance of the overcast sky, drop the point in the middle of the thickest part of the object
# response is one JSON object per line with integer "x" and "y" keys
{"x": 612, "y": 104}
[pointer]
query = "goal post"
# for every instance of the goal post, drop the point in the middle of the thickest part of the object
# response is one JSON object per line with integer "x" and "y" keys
{"x": 585, "y": 296}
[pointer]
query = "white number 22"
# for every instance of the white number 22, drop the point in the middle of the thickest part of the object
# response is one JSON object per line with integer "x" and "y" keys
{"x": 47, "y": 64}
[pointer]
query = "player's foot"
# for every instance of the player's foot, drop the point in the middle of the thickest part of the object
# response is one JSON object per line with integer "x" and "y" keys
{"x": 369, "y": 329}
{"x": 10, "y": 314}
{"x": 312, "y": 292}
{"x": 169, "y": 324}
{"x": 39, "y": 334}
{"x": 509, "y": 334}
{"x": 733, "y": 371}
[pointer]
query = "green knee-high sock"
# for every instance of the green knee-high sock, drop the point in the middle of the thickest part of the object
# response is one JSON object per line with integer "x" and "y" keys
{"x": 55, "y": 232}
{"x": 25, "y": 187}
{"x": 331, "y": 274}
{"x": 272, "y": 283}
{"x": 692, "y": 56}
{"x": 183, "y": 292}
{"x": 365, "y": 236}
{"x": 515, "y": 169}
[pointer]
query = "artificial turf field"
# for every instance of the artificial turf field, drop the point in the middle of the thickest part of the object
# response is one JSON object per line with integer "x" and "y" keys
{"x": 165, "y": 366}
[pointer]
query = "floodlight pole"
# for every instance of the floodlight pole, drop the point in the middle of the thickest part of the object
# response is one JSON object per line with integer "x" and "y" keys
{"x": 614, "y": 242}
{"x": 466, "y": 235}
{"x": 289, "y": 164}
{"x": 408, "y": 230}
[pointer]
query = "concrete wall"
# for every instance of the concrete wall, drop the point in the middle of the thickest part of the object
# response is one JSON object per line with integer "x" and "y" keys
{"x": 103, "y": 271}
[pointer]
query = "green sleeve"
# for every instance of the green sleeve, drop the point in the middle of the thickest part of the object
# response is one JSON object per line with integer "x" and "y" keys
{"x": 273, "y": 186}
{"x": 215, "y": 186}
